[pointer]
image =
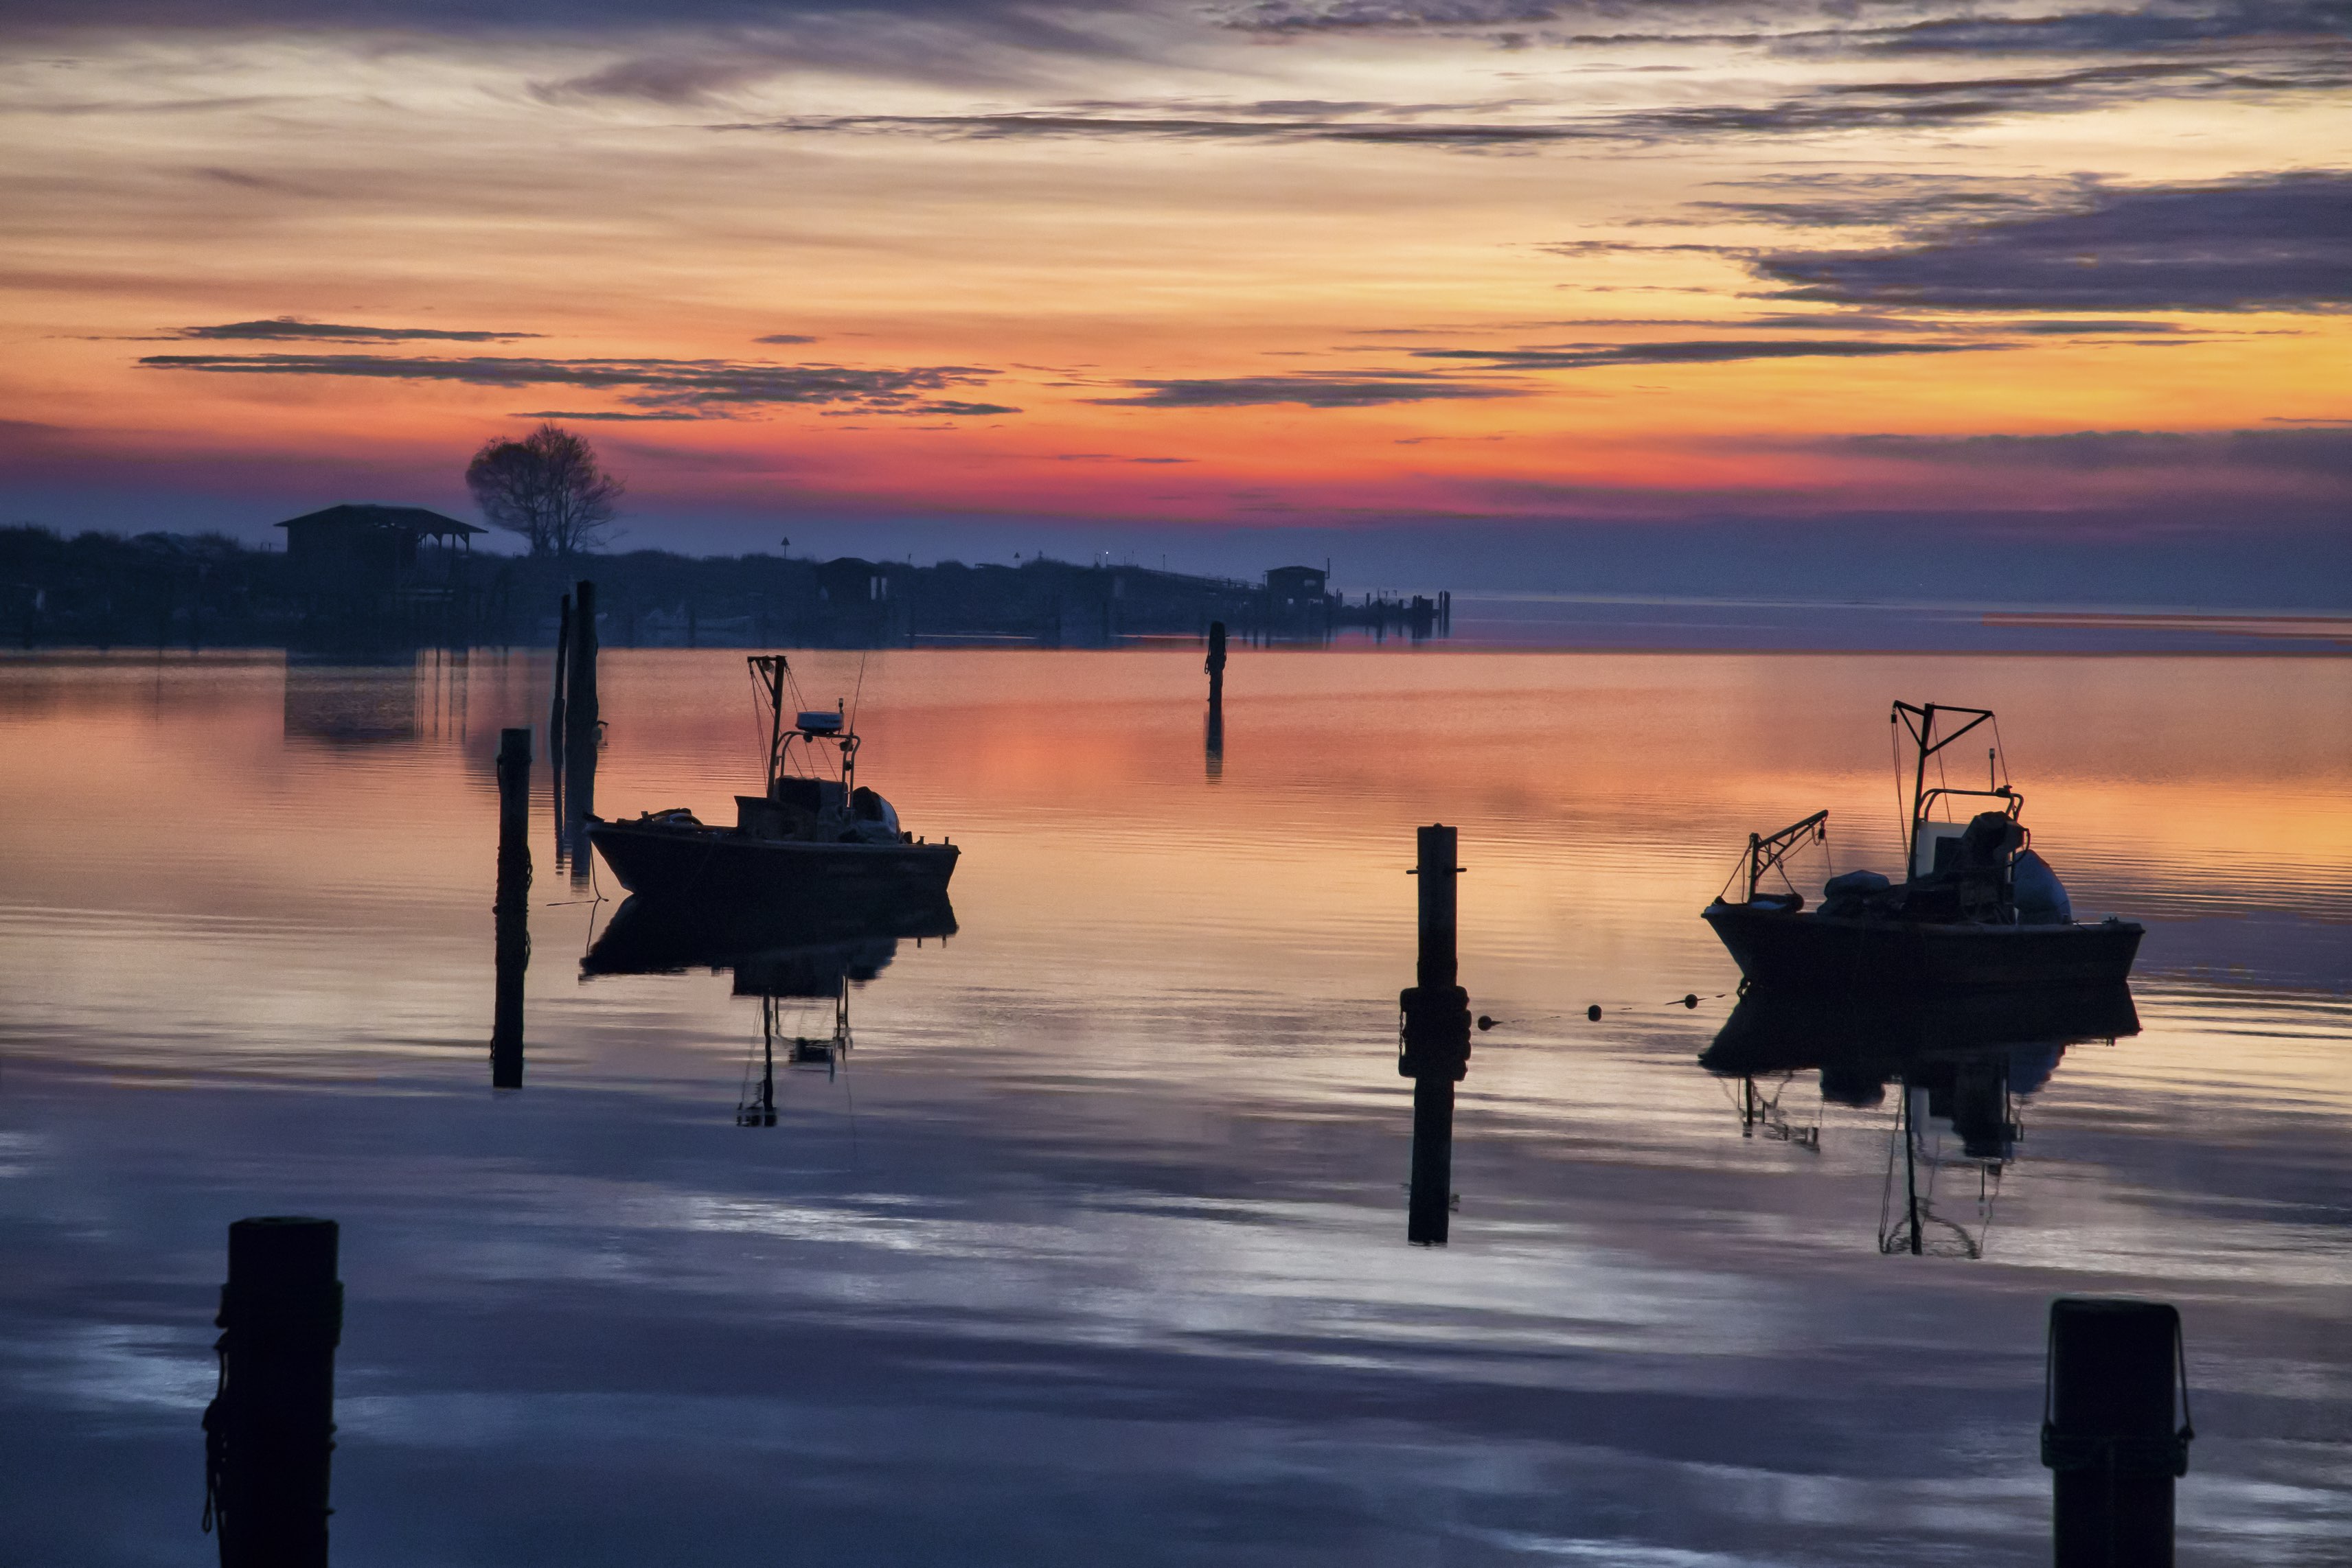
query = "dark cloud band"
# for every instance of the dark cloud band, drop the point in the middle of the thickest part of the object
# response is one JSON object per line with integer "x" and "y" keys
{"x": 1308, "y": 390}
{"x": 2280, "y": 243}
{"x": 288, "y": 329}
{"x": 2323, "y": 453}
{"x": 1832, "y": 110}
{"x": 1688, "y": 351}
{"x": 693, "y": 386}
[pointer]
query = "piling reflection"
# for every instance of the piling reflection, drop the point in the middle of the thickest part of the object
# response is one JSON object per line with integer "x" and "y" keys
{"x": 510, "y": 914}
{"x": 1960, "y": 1065}
{"x": 786, "y": 960}
{"x": 1215, "y": 666}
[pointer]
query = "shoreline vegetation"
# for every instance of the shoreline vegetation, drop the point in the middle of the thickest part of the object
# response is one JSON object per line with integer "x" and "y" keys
{"x": 166, "y": 589}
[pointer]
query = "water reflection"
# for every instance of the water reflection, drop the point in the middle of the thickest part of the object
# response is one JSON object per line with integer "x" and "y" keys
{"x": 1112, "y": 1235}
{"x": 1215, "y": 666}
{"x": 352, "y": 704}
{"x": 510, "y": 914}
{"x": 1964, "y": 1060}
{"x": 783, "y": 959}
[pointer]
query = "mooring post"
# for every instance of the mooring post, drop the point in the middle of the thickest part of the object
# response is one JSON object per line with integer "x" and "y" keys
{"x": 510, "y": 914}
{"x": 2115, "y": 1370}
{"x": 269, "y": 1432}
{"x": 1435, "y": 1040}
{"x": 580, "y": 723}
{"x": 555, "y": 720}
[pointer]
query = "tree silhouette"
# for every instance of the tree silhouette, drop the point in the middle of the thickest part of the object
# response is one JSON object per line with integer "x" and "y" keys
{"x": 548, "y": 487}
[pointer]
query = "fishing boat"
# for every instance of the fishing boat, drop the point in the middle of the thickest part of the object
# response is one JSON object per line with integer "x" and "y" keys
{"x": 1978, "y": 909}
{"x": 813, "y": 839}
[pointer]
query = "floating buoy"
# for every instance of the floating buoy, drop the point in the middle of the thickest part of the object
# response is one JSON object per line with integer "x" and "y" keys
{"x": 1593, "y": 1012}
{"x": 1484, "y": 1022}
{"x": 1691, "y": 1000}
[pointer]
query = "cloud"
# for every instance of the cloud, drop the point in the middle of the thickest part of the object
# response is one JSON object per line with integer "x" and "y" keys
{"x": 1310, "y": 388}
{"x": 1840, "y": 28}
{"x": 1689, "y": 351}
{"x": 2281, "y": 242}
{"x": 2142, "y": 29}
{"x": 1835, "y": 108}
{"x": 701, "y": 387}
{"x": 2091, "y": 328}
{"x": 2321, "y": 451}
{"x": 287, "y": 328}
{"x": 1143, "y": 122}
{"x": 600, "y": 414}
{"x": 784, "y": 337}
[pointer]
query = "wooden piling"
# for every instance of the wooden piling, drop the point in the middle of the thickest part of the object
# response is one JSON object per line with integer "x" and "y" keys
{"x": 511, "y": 912}
{"x": 2107, "y": 1434}
{"x": 555, "y": 718}
{"x": 1435, "y": 1040}
{"x": 581, "y": 732}
{"x": 269, "y": 1432}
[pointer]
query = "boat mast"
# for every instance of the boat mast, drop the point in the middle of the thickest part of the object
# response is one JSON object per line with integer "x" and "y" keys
{"x": 1921, "y": 722}
{"x": 770, "y": 671}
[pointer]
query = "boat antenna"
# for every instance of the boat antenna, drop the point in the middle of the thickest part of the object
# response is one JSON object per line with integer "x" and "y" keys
{"x": 857, "y": 691}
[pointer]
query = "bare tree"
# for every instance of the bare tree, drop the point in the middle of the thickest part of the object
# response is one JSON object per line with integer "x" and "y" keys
{"x": 548, "y": 487}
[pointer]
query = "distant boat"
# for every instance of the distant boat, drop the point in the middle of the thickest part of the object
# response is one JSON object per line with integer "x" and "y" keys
{"x": 1978, "y": 910}
{"x": 813, "y": 839}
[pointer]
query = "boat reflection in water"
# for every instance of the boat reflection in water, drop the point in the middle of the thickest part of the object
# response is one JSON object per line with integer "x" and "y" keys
{"x": 1963, "y": 1061}
{"x": 786, "y": 960}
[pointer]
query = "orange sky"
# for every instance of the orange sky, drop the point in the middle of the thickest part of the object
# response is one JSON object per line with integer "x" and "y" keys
{"x": 1293, "y": 262}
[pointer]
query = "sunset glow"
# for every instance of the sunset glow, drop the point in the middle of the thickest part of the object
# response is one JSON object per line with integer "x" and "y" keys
{"x": 1363, "y": 263}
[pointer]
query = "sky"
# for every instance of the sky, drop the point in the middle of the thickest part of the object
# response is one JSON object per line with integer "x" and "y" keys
{"x": 1471, "y": 291}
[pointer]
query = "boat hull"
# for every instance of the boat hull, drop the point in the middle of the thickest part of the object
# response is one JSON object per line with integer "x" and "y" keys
{"x": 1793, "y": 951}
{"x": 705, "y": 869}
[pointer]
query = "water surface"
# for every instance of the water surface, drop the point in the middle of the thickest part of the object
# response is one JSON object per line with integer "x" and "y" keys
{"x": 1092, "y": 1248}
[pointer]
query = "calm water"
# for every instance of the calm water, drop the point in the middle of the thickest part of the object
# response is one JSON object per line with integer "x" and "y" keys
{"x": 1092, "y": 1248}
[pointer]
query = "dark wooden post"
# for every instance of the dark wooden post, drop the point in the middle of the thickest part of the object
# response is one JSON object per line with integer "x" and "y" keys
{"x": 2107, "y": 1430}
{"x": 581, "y": 730}
{"x": 510, "y": 914}
{"x": 562, "y": 663}
{"x": 1434, "y": 1033}
{"x": 557, "y": 722}
{"x": 269, "y": 1432}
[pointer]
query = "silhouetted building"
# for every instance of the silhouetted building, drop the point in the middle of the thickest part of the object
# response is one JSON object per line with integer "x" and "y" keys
{"x": 1295, "y": 588}
{"x": 856, "y": 604}
{"x": 366, "y": 551}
